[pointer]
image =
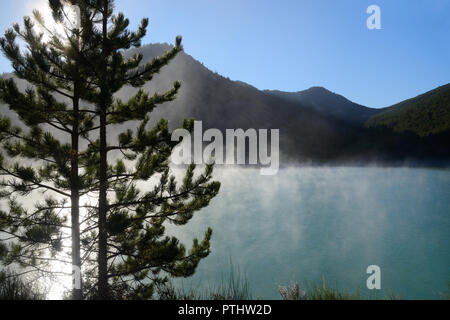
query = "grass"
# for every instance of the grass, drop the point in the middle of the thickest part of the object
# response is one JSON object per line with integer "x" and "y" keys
{"x": 13, "y": 287}
{"x": 316, "y": 292}
{"x": 234, "y": 287}
{"x": 313, "y": 291}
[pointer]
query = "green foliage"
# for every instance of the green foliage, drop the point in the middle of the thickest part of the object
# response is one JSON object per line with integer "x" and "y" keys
{"x": 89, "y": 65}
{"x": 425, "y": 115}
{"x": 34, "y": 159}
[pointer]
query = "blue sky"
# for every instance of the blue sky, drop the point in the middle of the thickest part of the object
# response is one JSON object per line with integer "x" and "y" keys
{"x": 293, "y": 45}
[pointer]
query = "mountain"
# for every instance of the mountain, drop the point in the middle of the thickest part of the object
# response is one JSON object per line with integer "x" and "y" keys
{"x": 425, "y": 115}
{"x": 305, "y": 134}
{"x": 330, "y": 104}
{"x": 316, "y": 125}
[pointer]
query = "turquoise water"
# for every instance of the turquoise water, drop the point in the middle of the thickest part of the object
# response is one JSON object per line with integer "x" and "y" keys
{"x": 308, "y": 222}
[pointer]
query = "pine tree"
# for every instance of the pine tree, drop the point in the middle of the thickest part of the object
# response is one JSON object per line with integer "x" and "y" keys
{"x": 50, "y": 108}
{"x": 134, "y": 254}
{"x": 126, "y": 252}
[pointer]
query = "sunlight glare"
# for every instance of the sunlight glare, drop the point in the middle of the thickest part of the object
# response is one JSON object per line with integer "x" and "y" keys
{"x": 59, "y": 285}
{"x": 50, "y": 24}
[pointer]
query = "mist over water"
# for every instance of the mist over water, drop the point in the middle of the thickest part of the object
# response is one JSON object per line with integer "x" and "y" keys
{"x": 307, "y": 222}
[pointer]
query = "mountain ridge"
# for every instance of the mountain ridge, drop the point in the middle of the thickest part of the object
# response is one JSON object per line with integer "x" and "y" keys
{"x": 426, "y": 114}
{"x": 330, "y": 103}
{"x": 316, "y": 125}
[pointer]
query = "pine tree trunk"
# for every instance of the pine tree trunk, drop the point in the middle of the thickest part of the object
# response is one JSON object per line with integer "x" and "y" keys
{"x": 75, "y": 198}
{"x": 102, "y": 242}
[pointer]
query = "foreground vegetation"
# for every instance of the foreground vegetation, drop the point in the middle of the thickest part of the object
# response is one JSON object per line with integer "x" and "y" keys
{"x": 235, "y": 290}
{"x": 234, "y": 286}
{"x": 15, "y": 288}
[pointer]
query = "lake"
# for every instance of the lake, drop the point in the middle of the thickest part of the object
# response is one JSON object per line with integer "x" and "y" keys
{"x": 307, "y": 222}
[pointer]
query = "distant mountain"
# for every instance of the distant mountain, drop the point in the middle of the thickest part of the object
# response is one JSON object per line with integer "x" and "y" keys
{"x": 425, "y": 115}
{"x": 316, "y": 125}
{"x": 330, "y": 104}
{"x": 306, "y": 134}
